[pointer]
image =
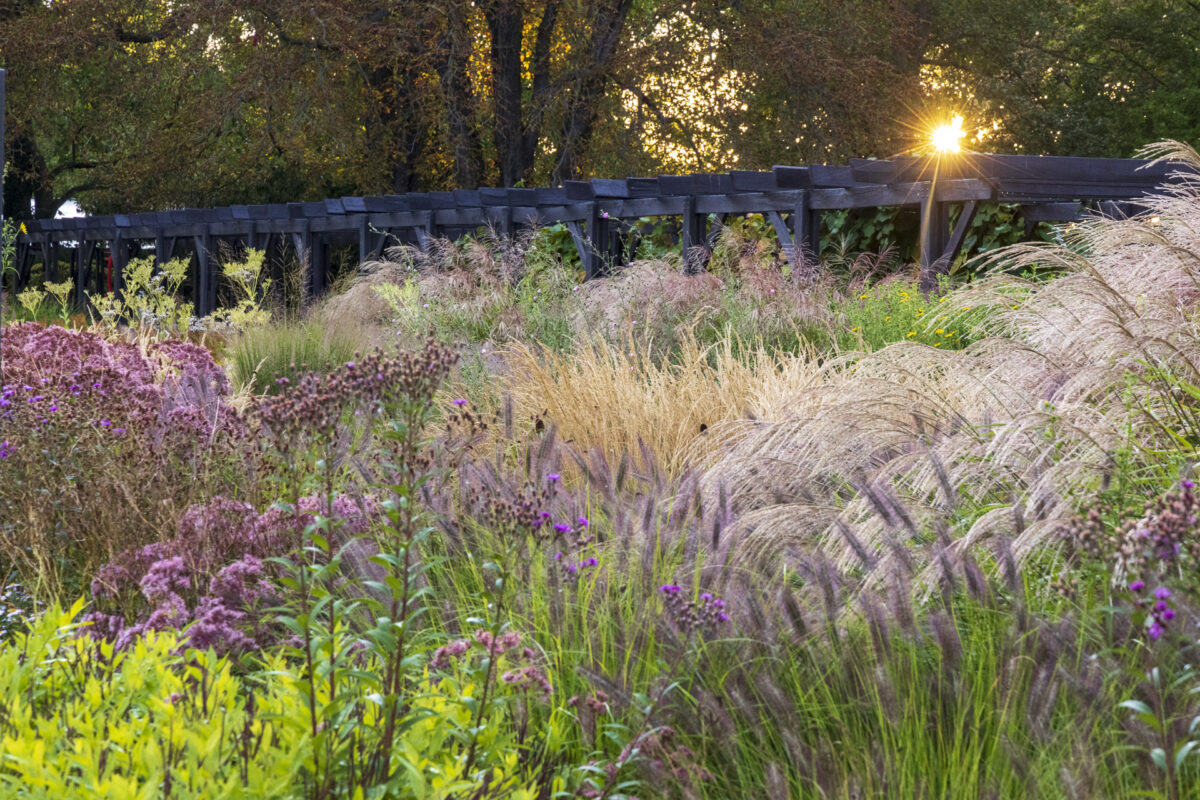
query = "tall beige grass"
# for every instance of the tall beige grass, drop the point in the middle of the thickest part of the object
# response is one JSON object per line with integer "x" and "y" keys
{"x": 1009, "y": 435}
{"x": 615, "y": 399}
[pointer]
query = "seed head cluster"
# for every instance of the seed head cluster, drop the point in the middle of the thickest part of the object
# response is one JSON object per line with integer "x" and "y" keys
{"x": 313, "y": 406}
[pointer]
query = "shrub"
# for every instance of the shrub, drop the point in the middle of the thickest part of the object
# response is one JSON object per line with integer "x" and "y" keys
{"x": 185, "y": 725}
{"x": 104, "y": 446}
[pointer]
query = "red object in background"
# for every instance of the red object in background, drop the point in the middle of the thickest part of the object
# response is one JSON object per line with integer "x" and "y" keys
{"x": 108, "y": 271}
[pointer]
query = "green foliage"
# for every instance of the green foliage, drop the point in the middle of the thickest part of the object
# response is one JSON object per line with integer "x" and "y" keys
{"x": 894, "y": 311}
{"x": 1091, "y": 78}
{"x": 263, "y": 355}
{"x": 249, "y": 287}
{"x": 896, "y": 229}
{"x": 150, "y": 300}
{"x": 160, "y": 718}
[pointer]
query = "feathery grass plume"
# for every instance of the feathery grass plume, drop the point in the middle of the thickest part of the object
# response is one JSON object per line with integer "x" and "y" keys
{"x": 1020, "y": 424}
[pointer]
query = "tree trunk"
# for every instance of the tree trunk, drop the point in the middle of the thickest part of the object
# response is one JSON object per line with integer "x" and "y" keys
{"x": 459, "y": 96}
{"x": 505, "y": 23}
{"x": 580, "y": 116}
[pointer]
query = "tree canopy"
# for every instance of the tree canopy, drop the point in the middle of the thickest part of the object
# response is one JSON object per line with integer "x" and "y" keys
{"x": 138, "y": 104}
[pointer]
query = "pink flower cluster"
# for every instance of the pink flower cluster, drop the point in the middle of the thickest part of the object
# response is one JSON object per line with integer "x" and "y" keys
{"x": 212, "y": 578}
{"x": 525, "y": 674}
{"x": 174, "y": 393}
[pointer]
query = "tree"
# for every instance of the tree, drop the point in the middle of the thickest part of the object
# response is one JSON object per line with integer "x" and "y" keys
{"x": 1073, "y": 77}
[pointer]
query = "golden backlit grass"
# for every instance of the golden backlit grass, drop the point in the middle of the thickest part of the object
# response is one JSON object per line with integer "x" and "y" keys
{"x": 616, "y": 399}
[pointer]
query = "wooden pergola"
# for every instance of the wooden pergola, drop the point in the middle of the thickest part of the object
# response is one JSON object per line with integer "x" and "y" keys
{"x": 602, "y": 214}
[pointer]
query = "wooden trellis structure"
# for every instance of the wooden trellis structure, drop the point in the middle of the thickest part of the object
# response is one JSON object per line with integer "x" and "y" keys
{"x": 602, "y": 214}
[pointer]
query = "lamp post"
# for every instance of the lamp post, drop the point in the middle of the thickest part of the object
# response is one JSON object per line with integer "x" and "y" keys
{"x": 945, "y": 140}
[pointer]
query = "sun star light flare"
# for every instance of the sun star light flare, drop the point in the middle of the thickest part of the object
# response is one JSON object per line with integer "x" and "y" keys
{"x": 947, "y": 137}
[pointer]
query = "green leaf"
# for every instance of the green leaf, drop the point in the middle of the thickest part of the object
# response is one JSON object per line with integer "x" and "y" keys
{"x": 1136, "y": 706}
